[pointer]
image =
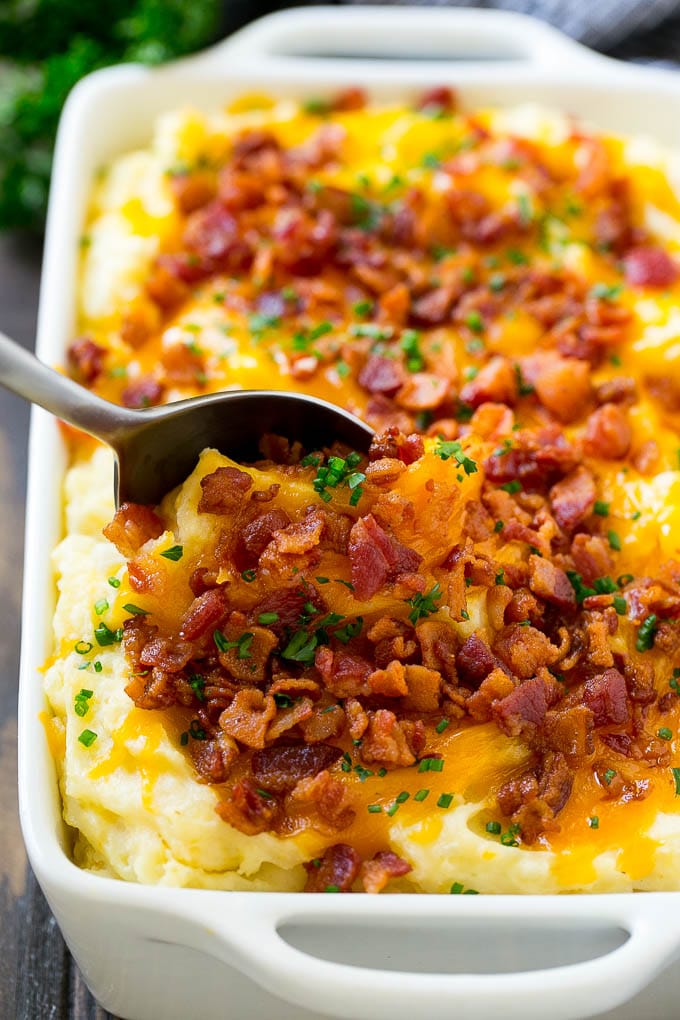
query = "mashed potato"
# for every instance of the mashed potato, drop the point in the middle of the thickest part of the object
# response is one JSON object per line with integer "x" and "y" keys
{"x": 132, "y": 793}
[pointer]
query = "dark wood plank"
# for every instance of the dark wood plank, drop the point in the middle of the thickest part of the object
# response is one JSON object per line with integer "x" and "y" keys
{"x": 38, "y": 980}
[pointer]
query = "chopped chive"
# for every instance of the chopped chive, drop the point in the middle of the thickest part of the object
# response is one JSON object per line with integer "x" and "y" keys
{"x": 445, "y": 800}
{"x": 332, "y": 888}
{"x": 646, "y": 633}
{"x": 441, "y": 726}
{"x": 87, "y": 738}
{"x": 83, "y": 647}
{"x": 114, "y": 582}
{"x": 498, "y": 526}
{"x": 382, "y": 773}
{"x": 609, "y": 775}
{"x": 105, "y": 636}
{"x": 391, "y": 811}
{"x": 130, "y": 607}
{"x": 456, "y": 888}
{"x": 676, "y": 777}
{"x": 431, "y": 765}
{"x": 402, "y": 797}
{"x": 98, "y": 666}
{"x": 100, "y": 606}
{"x": 494, "y": 828}
{"x": 664, "y": 733}
{"x": 184, "y": 738}
{"x": 620, "y": 605}
{"x": 175, "y": 552}
{"x": 594, "y": 822}
{"x": 514, "y": 486}
{"x": 249, "y": 575}
{"x": 614, "y": 541}
{"x": 420, "y": 795}
{"x": 601, "y": 508}
{"x": 374, "y": 809}
{"x": 267, "y": 618}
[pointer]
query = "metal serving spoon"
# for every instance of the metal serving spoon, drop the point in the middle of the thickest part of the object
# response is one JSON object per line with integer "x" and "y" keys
{"x": 158, "y": 448}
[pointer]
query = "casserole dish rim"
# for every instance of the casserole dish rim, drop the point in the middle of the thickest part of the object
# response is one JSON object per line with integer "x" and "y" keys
{"x": 529, "y": 55}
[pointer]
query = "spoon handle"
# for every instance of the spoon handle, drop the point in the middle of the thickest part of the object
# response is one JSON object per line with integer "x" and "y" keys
{"x": 26, "y": 376}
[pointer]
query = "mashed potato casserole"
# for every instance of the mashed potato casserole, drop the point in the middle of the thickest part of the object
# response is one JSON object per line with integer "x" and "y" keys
{"x": 452, "y": 665}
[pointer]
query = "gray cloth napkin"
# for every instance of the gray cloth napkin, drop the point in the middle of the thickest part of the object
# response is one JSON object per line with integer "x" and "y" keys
{"x": 647, "y": 30}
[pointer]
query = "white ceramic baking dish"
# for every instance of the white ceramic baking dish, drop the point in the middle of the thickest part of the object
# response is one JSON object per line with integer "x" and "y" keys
{"x": 171, "y": 954}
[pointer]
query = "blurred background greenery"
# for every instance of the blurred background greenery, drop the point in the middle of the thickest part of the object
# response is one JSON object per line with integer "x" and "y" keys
{"x": 46, "y": 46}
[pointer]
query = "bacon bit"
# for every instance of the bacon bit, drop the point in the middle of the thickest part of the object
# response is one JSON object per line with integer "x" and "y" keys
{"x": 132, "y": 526}
{"x": 562, "y": 384}
{"x": 381, "y": 375}
{"x": 288, "y": 718}
{"x": 386, "y": 740}
{"x": 350, "y": 99}
{"x": 288, "y": 604}
{"x": 524, "y": 649}
{"x": 390, "y": 682}
{"x": 164, "y": 286}
{"x": 592, "y": 557}
{"x": 391, "y": 444}
{"x": 193, "y": 190}
{"x": 343, "y": 674}
{"x": 533, "y": 800}
{"x": 329, "y": 799}
{"x": 570, "y": 731}
{"x": 535, "y": 457}
{"x": 433, "y": 308}
{"x": 573, "y": 499}
{"x": 257, "y": 535}
{"x": 140, "y": 322}
{"x": 85, "y": 360}
{"x": 495, "y": 382}
{"x": 608, "y": 433}
{"x": 248, "y": 717}
{"x": 440, "y": 97}
{"x": 213, "y": 759}
{"x": 223, "y": 491}
{"x": 649, "y": 266}
{"x": 338, "y": 868}
{"x": 522, "y": 712}
{"x": 376, "y": 873}
{"x": 490, "y": 421}
{"x": 394, "y": 305}
{"x": 422, "y": 391}
{"x": 357, "y": 718}
{"x": 280, "y": 768}
{"x": 475, "y": 661}
{"x": 619, "y": 390}
{"x": 551, "y": 583}
{"x": 181, "y": 366}
{"x": 377, "y": 557}
{"x": 213, "y": 234}
{"x": 607, "y": 698}
{"x": 647, "y": 457}
{"x": 424, "y": 688}
{"x": 385, "y": 471}
{"x": 493, "y": 689}
{"x": 247, "y": 810}
{"x": 300, "y": 538}
{"x": 325, "y": 722}
{"x": 143, "y": 392}
{"x": 204, "y": 613}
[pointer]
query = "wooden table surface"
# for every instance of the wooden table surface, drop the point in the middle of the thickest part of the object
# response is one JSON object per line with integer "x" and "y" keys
{"x": 38, "y": 979}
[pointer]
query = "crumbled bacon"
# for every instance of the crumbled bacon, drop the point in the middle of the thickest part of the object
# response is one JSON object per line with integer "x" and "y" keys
{"x": 607, "y": 698}
{"x": 132, "y": 526}
{"x": 524, "y": 649}
{"x": 608, "y": 432}
{"x": 376, "y": 873}
{"x": 551, "y": 583}
{"x": 85, "y": 360}
{"x": 248, "y": 810}
{"x": 381, "y": 375}
{"x": 336, "y": 870}
{"x": 573, "y": 498}
{"x": 280, "y": 768}
{"x": 377, "y": 557}
{"x": 143, "y": 392}
{"x": 248, "y": 717}
{"x": 387, "y": 740}
{"x": 223, "y": 491}
{"x": 649, "y": 266}
{"x": 204, "y": 614}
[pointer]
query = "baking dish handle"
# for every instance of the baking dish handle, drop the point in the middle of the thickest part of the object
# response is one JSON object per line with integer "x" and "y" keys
{"x": 404, "y": 33}
{"x": 251, "y": 940}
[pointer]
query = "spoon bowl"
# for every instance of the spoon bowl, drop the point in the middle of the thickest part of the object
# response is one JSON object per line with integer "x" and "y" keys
{"x": 157, "y": 448}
